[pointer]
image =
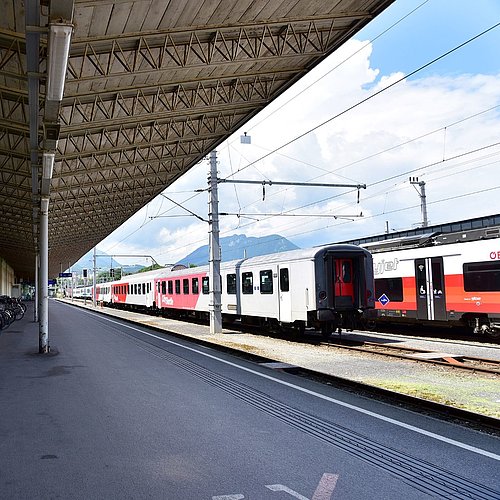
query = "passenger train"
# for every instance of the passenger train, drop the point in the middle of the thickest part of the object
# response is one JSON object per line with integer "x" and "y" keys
{"x": 325, "y": 287}
{"x": 450, "y": 279}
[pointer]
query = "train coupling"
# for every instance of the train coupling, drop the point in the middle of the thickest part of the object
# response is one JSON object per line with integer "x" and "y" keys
{"x": 480, "y": 329}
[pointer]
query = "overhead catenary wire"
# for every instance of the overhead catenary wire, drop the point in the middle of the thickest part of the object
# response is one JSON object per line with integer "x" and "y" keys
{"x": 365, "y": 217}
{"x": 387, "y": 150}
{"x": 371, "y": 96}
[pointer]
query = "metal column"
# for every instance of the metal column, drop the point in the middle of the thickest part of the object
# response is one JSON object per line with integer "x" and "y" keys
{"x": 214, "y": 248}
{"x": 37, "y": 288}
{"x": 43, "y": 339}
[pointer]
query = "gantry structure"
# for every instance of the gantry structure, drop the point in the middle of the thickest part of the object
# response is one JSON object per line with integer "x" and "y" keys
{"x": 149, "y": 88}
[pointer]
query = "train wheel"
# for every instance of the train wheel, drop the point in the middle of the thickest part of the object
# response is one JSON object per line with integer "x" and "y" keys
{"x": 327, "y": 328}
{"x": 492, "y": 334}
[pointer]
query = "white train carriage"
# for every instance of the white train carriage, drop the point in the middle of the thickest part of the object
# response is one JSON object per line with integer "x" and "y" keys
{"x": 325, "y": 287}
{"x": 82, "y": 292}
{"x": 447, "y": 279}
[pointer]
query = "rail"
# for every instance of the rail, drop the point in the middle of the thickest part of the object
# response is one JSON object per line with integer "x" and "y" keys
{"x": 459, "y": 361}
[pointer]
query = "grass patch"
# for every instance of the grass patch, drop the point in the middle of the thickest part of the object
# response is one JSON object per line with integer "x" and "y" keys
{"x": 242, "y": 347}
{"x": 424, "y": 391}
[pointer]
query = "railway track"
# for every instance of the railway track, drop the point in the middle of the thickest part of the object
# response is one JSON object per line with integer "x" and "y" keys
{"x": 465, "y": 362}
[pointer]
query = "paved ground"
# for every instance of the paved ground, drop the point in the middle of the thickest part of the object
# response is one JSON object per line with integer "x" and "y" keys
{"x": 474, "y": 392}
{"x": 117, "y": 410}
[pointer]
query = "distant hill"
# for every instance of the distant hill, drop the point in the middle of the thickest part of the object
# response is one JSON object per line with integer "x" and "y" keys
{"x": 103, "y": 261}
{"x": 234, "y": 247}
{"x": 132, "y": 268}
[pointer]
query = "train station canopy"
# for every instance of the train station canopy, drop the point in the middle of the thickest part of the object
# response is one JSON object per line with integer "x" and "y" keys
{"x": 105, "y": 103}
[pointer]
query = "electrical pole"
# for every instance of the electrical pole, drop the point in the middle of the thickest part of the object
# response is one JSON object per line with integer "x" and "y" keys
{"x": 423, "y": 200}
{"x": 214, "y": 249}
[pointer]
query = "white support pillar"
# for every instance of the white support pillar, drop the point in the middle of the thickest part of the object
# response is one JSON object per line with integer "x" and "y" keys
{"x": 37, "y": 287}
{"x": 214, "y": 249}
{"x": 43, "y": 339}
{"x": 94, "y": 291}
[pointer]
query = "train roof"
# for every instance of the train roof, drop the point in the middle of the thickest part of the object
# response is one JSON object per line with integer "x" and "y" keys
{"x": 449, "y": 228}
{"x": 291, "y": 255}
{"x": 299, "y": 254}
{"x": 432, "y": 239}
{"x": 416, "y": 241}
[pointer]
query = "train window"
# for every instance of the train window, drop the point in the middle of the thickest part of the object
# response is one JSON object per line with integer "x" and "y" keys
{"x": 284, "y": 280}
{"x": 391, "y": 287}
{"x": 346, "y": 271}
{"x": 266, "y": 281}
{"x": 231, "y": 284}
{"x": 185, "y": 286}
{"x": 164, "y": 287}
{"x": 205, "y": 285}
{"x": 135, "y": 288}
{"x": 194, "y": 286}
{"x": 482, "y": 276}
{"x": 170, "y": 287}
{"x": 177, "y": 286}
{"x": 247, "y": 283}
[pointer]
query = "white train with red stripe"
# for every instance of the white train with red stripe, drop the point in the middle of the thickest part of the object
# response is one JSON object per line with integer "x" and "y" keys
{"x": 444, "y": 279}
{"x": 325, "y": 287}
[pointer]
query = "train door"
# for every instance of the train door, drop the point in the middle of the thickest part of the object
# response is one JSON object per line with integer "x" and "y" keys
{"x": 344, "y": 288}
{"x": 285, "y": 298}
{"x": 429, "y": 279}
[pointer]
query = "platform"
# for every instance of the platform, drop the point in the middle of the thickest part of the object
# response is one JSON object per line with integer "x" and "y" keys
{"x": 119, "y": 410}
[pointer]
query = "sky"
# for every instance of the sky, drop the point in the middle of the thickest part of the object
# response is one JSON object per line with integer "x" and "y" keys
{"x": 440, "y": 124}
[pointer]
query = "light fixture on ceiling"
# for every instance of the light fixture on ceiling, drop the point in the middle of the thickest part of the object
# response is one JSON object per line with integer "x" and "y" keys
{"x": 59, "y": 42}
{"x": 47, "y": 165}
{"x": 44, "y": 204}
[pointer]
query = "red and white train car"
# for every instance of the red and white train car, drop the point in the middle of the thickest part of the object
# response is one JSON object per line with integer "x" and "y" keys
{"x": 137, "y": 291}
{"x": 445, "y": 279}
{"x": 325, "y": 287}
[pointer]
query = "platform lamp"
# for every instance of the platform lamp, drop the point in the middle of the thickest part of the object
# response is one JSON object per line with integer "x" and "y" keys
{"x": 59, "y": 43}
{"x": 44, "y": 205}
{"x": 48, "y": 165}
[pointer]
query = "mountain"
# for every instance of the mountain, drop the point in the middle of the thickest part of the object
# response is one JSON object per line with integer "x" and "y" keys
{"x": 234, "y": 247}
